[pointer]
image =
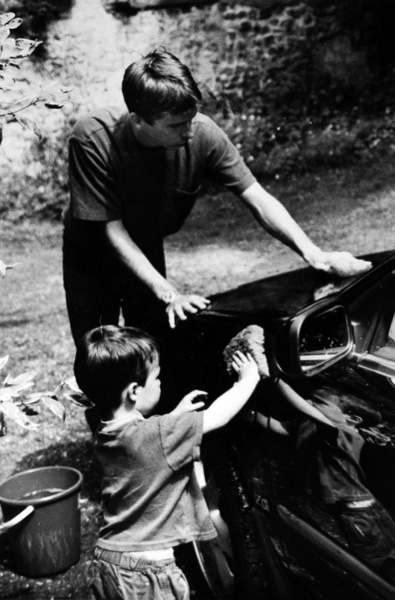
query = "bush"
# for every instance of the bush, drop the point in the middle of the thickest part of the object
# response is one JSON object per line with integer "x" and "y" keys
{"x": 274, "y": 147}
{"x": 36, "y": 14}
{"x": 41, "y": 189}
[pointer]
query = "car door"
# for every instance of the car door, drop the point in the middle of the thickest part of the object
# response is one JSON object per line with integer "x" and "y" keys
{"x": 331, "y": 483}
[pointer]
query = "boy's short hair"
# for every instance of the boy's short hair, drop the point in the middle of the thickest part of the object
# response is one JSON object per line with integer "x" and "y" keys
{"x": 109, "y": 358}
{"x": 159, "y": 83}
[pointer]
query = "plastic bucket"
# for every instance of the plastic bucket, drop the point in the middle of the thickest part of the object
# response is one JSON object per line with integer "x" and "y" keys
{"x": 46, "y": 538}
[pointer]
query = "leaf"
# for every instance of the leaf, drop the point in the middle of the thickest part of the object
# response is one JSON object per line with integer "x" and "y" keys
{"x": 25, "y": 47}
{"x": 17, "y": 384}
{"x": 22, "y": 379}
{"x": 71, "y": 383}
{"x": 5, "y": 394}
{"x": 6, "y": 18}
{"x": 16, "y": 103}
{"x": 4, "y": 360}
{"x": 20, "y": 387}
{"x": 79, "y": 399}
{"x": 28, "y": 410}
{"x": 14, "y": 23}
{"x": 8, "y": 49}
{"x": 6, "y": 81}
{"x": 29, "y": 124}
{"x": 55, "y": 407}
{"x": 13, "y": 412}
{"x": 34, "y": 397}
{"x": 4, "y": 33}
{"x": 3, "y": 425}
{"x": 24, "y": 122}
{"x": 10, "y": 117}
{"x": 66, "y": 89}
{"x": 52, "y": 95}
{"x": 53, "y": 104}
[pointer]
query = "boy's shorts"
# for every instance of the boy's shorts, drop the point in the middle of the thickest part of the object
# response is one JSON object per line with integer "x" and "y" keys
{"x": 122, "y": 576}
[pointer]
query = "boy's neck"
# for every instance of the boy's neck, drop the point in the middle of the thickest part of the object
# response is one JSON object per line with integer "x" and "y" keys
{"x": 119, "y": 418}
{"x": 126, "y": 413}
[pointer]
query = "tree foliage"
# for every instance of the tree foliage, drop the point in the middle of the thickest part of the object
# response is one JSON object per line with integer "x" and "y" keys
{"x": 19, "y": 403}
{"x": 36, "y": 14}
{"x": 12, "y": 99}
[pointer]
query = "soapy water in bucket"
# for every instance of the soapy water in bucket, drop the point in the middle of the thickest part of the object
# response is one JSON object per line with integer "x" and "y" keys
{"x": 40, "y": 494}
{"x": 48, "y": 539}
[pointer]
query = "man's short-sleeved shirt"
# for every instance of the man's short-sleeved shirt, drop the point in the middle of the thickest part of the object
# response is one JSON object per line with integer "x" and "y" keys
{"x": 151, "y": 498}
{"x": 152, "y": 190}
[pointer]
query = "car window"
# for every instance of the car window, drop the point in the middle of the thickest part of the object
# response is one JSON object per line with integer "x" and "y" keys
{"x": 377, "y": 308}
{"x": 384, "y": 346}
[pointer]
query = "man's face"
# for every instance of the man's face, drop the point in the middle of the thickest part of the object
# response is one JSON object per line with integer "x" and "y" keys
{"x": 169, "y": 131}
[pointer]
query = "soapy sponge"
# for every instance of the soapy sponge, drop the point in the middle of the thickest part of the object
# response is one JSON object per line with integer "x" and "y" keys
{"x": 251, "y": 340}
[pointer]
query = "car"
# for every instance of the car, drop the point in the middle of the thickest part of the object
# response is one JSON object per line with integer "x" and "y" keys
{"x": 303, "y": 507}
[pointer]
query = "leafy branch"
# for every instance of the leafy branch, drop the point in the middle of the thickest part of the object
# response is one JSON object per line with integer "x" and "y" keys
{"x": 18, "y": 404}
{"x": 12, "y": 52}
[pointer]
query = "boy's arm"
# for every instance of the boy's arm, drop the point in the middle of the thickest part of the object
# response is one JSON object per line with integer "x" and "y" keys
{"x": 224, "y": 408}
{"x": 301, "y": 404}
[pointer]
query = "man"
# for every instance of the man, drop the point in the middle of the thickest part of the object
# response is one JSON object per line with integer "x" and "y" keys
{"x": 133, "y": 180}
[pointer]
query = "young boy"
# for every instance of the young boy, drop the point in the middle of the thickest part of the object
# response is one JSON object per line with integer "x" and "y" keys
{"x": 150, "y": 496}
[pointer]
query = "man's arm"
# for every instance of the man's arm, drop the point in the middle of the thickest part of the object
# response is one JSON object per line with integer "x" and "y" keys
{"x": 178, "y": 305}
{"x": 275, "y": 218}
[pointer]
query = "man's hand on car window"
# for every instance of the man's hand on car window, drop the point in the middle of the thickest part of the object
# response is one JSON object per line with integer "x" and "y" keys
{"x": 342, "y": 264}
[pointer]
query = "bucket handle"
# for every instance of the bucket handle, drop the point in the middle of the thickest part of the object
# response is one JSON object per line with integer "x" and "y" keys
{"x": 4, "y": 527}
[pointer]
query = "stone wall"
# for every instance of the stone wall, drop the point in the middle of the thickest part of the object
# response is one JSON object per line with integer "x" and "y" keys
{"x": 261, "y": 52}
{"x": 285, "y": 52}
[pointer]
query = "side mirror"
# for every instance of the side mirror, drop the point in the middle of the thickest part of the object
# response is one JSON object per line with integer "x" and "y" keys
{"x": 313, "y": 340}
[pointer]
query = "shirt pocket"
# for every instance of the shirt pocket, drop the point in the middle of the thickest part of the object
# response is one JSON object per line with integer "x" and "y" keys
{"x": 177, "y": 209}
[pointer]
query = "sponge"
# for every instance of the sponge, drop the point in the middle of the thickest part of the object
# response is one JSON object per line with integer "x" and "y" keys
{"x": 251, "y": 340}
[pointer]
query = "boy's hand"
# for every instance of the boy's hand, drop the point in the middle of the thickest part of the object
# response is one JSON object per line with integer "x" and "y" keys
{"x": 245, "y": 366}
{"x": 188, "y": 403}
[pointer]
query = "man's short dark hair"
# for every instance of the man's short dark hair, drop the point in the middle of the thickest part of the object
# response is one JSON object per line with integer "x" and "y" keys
{"x": 159, "y": 83}
{"x": 109, "y": 358}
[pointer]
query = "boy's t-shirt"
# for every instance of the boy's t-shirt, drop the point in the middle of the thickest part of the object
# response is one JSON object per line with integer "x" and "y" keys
{"x": 151, "y": 498}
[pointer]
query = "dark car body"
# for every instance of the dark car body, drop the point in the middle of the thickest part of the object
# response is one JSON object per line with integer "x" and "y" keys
{"x": 278, "y": 496}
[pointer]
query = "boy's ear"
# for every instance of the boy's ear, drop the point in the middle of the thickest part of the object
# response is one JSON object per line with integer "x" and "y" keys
{"x": 136, "y": 120}
{"x": 132, "y": 391}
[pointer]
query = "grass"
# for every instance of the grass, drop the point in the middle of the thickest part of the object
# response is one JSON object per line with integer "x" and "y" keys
{"x": 219, "y": 247}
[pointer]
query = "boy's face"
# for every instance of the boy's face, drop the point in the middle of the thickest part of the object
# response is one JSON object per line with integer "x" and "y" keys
{"x": 169, "y": 131}
{"x": 148, "y": 395}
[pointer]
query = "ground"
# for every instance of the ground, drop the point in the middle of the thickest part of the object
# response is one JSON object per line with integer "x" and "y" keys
{"x": 220, "y": 247}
